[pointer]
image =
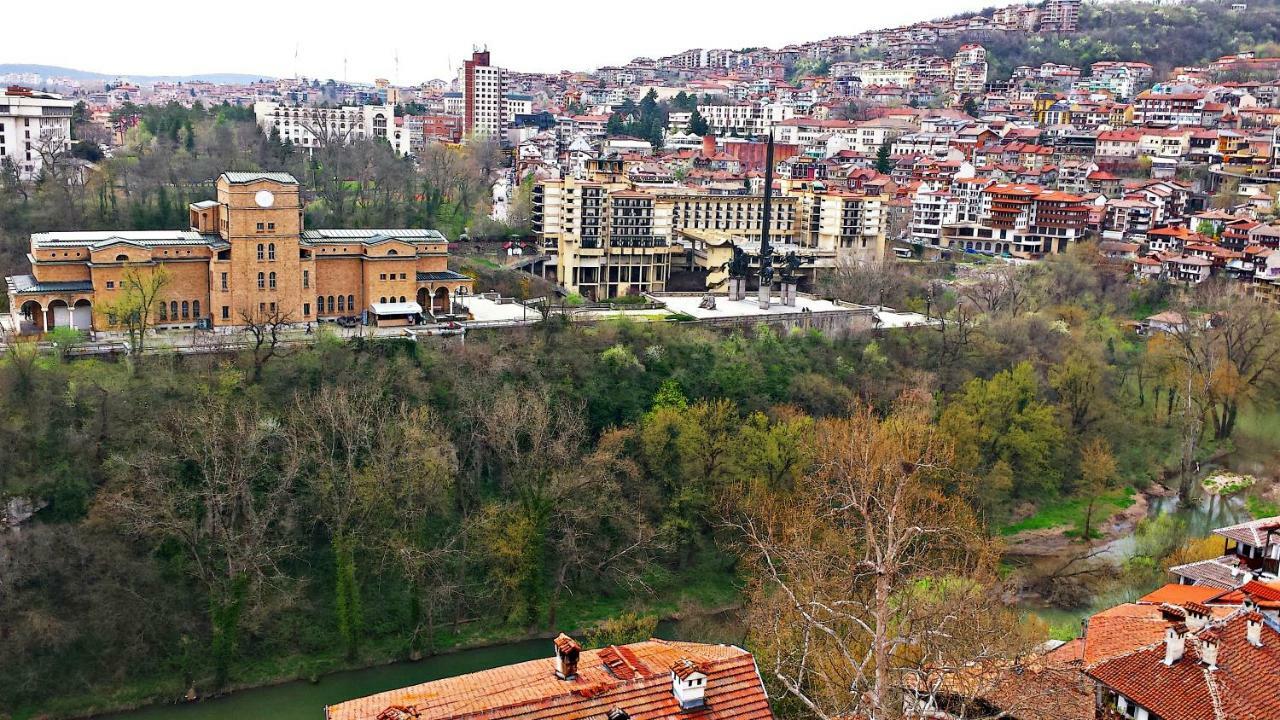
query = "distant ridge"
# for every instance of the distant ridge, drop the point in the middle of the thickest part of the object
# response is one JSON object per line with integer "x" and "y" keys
{"x": 53, "y": 71}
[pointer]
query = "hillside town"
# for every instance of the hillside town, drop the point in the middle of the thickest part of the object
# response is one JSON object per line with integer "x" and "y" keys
{"x": 910, "y": 149}
{"x": 875, "y": 377}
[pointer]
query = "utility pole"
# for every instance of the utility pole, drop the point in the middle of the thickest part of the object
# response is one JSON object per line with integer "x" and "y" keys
{"x": 766, "y": 249}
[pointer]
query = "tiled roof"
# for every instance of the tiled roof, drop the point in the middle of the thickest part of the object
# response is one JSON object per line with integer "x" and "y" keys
{"x": 322, "y": 236}
{"x": 1255, "y": 532}
{"x": 436, "y": 275}
{"x": 104, "y": 238}
{"x": 28, "y": 285}
{"x": 1242, "y": 686}
{"x": 531, "y": 691}
{"x": 1222, "y": 572}
{"x": 248, "y": 177}
{"x": 1178, "y": 594}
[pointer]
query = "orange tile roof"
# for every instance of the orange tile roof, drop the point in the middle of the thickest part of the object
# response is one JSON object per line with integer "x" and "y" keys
{"x": 635, "y": 678}
{"x": 1176, "y": 594}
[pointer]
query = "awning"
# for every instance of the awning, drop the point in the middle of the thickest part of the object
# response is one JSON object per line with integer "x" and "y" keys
{"x": 396, "y": 308}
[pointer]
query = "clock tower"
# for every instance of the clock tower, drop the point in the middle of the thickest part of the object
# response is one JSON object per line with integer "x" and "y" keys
{"x": 259, "y": 277}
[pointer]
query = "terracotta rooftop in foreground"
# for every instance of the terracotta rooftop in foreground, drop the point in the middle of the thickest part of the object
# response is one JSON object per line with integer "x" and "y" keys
{"x": 634, "y": 678}
{"x": 1236, "y": 682}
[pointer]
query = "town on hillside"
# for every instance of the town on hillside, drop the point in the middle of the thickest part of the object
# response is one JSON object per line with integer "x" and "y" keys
{"x": 927, "y": 372}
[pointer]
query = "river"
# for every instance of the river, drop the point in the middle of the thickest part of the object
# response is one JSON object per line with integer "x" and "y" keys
{"x": 301, "y": 700}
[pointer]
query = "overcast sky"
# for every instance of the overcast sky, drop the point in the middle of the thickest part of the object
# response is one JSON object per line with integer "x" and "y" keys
{"x": 155, "y": 37}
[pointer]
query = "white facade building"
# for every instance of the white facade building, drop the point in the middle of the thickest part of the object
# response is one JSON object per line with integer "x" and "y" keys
{"x": 31, "y": 123}
{"x": 311, "y": 127}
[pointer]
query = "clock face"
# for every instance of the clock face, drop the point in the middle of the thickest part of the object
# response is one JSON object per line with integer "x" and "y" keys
{"x": 264, "y": 198}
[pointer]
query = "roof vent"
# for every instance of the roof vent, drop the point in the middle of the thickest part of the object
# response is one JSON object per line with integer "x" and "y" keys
{"x": 618, "y": 714}
{"x": 689, "y": 684}
{"x": 567, "y": 652}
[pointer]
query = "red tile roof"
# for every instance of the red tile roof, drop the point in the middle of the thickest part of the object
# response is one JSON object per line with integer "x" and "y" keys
{"x": 1242, "y": 686}
{"x": 1178, "y": 594}
{"x": 635, "y": 678}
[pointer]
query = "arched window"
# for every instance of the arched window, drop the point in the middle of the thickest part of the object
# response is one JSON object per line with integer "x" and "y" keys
{"x": 392, "y": 251}
{"x": 173, "y": 309}
{"x": 271, "y": 281}
{"x": 259, "y": 251}
{"x": 271, "y": 251}
{"x": 401, "y": 298}
{"x": 164, "y": 312}
{"x": 382, "y": 299}
{"x": 122, "y": 258}
{"x": 342, "y": 305}
{"x": 351, "y": 302}
{"x": 262, "y": 281}
{"x": 330, "y": 304}
{"x": 186, "y": 310}
{"x": 319, "y": 304}
{"x": 195, "y": 309}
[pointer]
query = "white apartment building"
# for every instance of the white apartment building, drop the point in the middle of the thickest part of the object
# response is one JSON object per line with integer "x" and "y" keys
{"x": 969, "y": 69}
{"x": 748, "y": 119}
{"x": 30, "y": 123}
{"x": 312, "y": 127}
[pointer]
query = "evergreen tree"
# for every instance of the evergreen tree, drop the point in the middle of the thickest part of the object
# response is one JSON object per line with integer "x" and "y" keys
{"x": 698, "y": 124}
{"x": 884, "y": 162}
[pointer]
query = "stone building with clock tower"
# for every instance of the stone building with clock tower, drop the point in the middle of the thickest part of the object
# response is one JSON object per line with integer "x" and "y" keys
{"x": 245, "y": 258}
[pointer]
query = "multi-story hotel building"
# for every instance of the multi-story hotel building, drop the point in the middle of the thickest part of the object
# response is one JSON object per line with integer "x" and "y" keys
{"x": 483, "y": 91}
{"x": 606, "y": 237}
{"x": 246, "y": 256}
{"x": 1023, "y": 220}
{"x": 31, "y": 123}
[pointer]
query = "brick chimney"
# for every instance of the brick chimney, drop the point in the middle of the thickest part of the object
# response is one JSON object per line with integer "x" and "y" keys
{"x": 1197, "y": 616}
{"x": 689, "y": 684}
{"x": 1209, "y": 649}
{"x": 567, "y": 652}
{"x": 1175, "y": 643}
{"x": 708, "y": 145}
{"x": 1253, "y": 628}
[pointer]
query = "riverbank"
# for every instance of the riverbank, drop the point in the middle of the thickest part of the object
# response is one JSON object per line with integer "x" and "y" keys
{"x": 703, "y": 592}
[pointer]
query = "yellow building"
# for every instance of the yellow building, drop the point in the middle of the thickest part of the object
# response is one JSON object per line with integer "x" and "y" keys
{"x": 606, "y": 237}
{"x": 246, "y": 258}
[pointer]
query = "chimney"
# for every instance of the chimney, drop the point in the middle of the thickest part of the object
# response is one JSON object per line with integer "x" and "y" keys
{"x": 567, "y": 651}
{"x": 1197, "y": 616}
{"x": 1175, "y": 642}
{"x": 1209, "y": 649}
{"x": 1253, "y": 628}
{"x": 689, "y": 684}
{"x": 708, "y": 145}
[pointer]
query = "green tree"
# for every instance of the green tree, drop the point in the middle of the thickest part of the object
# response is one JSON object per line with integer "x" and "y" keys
{"x": 884, "y": 159}
{"x": 1004, "y": 419}
{"x": 1097, "y": 471}
{"x": 698, "y": 124}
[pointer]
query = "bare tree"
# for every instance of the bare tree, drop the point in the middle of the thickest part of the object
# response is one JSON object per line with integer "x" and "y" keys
{"x": 873, "y": 574}
{"x": 218, "y": 481}
{"x": 264, "y": 330}
{"x": 135, "y": 301}
{"x": 998, "y": 290}
{"x": 1231, "y": 350}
